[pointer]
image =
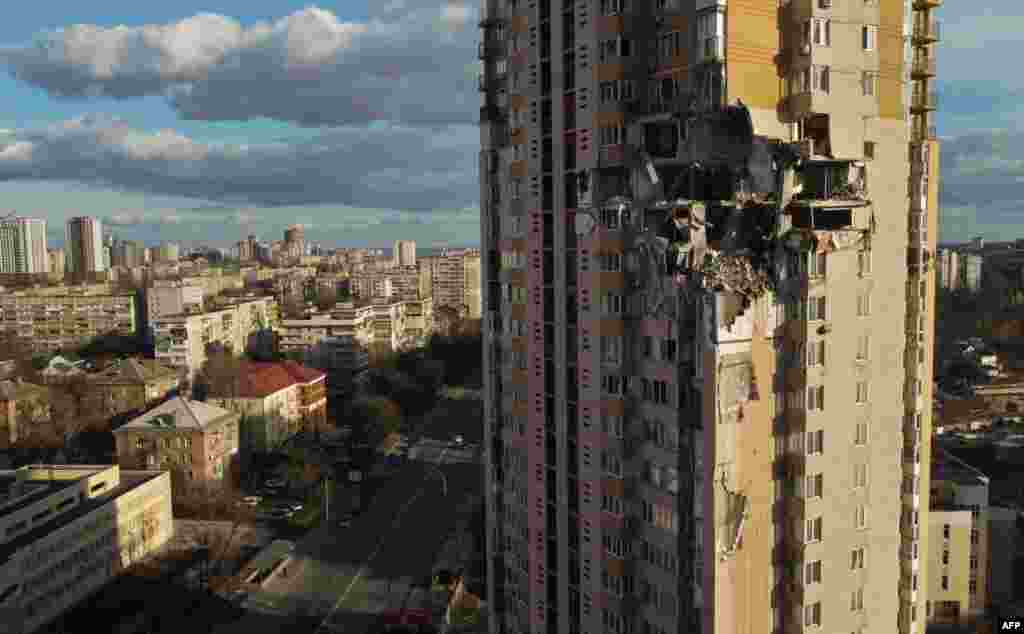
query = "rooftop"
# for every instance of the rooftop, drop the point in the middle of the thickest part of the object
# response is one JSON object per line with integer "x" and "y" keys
{"x": 177, "y": 413}
{"x": 133, "y": 371}
{"x": 947, "y": 467}
{"x": 128, "y": 481}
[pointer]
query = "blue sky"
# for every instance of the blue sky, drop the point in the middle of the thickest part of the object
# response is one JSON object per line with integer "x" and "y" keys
{"x": 209, "y": 120}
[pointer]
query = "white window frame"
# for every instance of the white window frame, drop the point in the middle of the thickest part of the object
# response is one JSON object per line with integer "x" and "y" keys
{"x": 869, "y": 37}
{"x": 815, "y": 398}
{"x": 863, "y": 392}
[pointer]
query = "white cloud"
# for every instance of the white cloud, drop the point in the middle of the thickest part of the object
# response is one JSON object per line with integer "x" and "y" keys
{"x": 308, "y": 67}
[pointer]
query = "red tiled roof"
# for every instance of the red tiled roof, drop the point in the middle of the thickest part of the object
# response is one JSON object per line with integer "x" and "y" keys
{"x": 260, "y": 379}
{"x": 301, "y": 373}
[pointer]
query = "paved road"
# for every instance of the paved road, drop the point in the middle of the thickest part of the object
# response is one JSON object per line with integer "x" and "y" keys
{"x": 342, "y": 579}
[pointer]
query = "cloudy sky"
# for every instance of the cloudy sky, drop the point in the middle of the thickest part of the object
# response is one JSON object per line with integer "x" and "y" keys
{"x": 203, "y": 121}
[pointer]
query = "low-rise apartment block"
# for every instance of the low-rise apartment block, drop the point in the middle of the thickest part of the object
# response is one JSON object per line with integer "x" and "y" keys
{"x": 65, "y": 317}
{"x": 198, "y": 440}
{"x": 129, "y": 385}
{"x": 67, "y": 530}
{"x": 958, "y": 543}
{"x": 182, "y": 341}
{"x": 456, "y": 281}
{"x": 338, "y": 341}
{"x": 276, "y": 401}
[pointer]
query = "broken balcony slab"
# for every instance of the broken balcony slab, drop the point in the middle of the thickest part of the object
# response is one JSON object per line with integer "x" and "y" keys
{"x": 831, "y": 217}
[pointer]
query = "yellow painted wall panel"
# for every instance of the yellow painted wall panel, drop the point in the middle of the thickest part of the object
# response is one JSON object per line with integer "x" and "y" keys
{"x": 609, "y": 119}
{"x": 752, "y": 42}
{"x": 518, "y": 169}
{"x": 520, "y": 24}
{"x": 608, "y": 72}
{"x": 890, "y": 59}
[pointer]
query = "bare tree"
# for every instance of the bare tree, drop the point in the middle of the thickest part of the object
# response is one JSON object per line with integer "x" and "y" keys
{"x": 221, "y": 376}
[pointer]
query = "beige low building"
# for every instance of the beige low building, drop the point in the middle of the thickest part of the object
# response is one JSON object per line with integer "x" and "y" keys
{"x": 130, "y": 384}
{"x": 958, "y": 543}
{"x": 198, "y": 440}
{"x": 67, "y": 530}
{"x": 67, "y": 317}
{"x": 182, "y": 341}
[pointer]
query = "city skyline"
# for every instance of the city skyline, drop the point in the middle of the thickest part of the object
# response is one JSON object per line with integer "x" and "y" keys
{"x": 400, "y": 159}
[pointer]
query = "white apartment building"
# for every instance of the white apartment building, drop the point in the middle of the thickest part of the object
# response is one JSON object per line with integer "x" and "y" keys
{"x": 182, "y": 341}
{"x": 166, "y": 298}
{"x": 67, "y": 530}
{"x": 23, "y": 246}
{"x": 404, "y": 253}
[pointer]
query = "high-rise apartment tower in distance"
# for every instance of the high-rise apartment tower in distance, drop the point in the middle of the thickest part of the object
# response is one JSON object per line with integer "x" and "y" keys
{"x": 404, "y": 253}
{"x": 83, "y": 245}
{"x": 23, "y": 246}
{"x": 294, "y": 241}
{"x": 707, "y": 231}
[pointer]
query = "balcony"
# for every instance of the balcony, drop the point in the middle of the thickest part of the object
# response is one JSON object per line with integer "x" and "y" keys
{"x": 923, "y": 100}
{"x": 923, "y": 67}
{"x": 927, "y": 30}
{"x": 711, "y": 50}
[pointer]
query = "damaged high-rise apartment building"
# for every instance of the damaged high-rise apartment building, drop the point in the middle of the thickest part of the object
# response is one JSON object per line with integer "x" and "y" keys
{"x": 708, "y": 230}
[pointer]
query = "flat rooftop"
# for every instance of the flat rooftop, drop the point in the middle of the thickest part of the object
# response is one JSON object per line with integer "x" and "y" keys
{"x": 129, "y": 480}
{"x": 12, "y": 501}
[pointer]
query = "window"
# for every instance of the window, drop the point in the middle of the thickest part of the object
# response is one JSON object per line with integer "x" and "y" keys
{"x": 612, "y": 135}
{"x": 857, "y": 600}
{"x": 972, "y": 586}
{"x": 816, "y": 308}
{"x": 863, "y": 304}
{"x": 864, "y": 257}
{"x": 617, "y": 90}
{"x": 823, "y": 32}
{"x": 611, "y": 349}
{"x": 815, "y": 443}
{"x": 862, "y": 392}
{"x": 611, "y": 504}
{"x": 945, "y": 582}
{"x": 812, "y": 615}
{"x": 863, "y": 347}
{"x": 974, "y": 563}
{"x": 140, "y": 443}
{"x": 614, "y": 7}
{"x": 812, "y": 572}
{"x": 816, "y": 397}
{"x": 869, "y": 146}
{"x": 861, "y": 434}
{"x": 612, "y": 425}
{"x": 945, "y": 531}
{"x": 860, "y": 517}
{"x": 857, "y": 559}
{"x": 814, "y": 530}
{"x": 945, "y": 556}
{"x": 860, "y": 476}
{"x": 612, "y": 304}
{"x": 615, "y": 47}
{"x": 816, "y": 264}
{"x": 868, "y": 36}
{"x": 648, "y": 348}
{"x": 816, "y": 353}
{"x": 815, "y": 485}
{"x": 611, "y": 262}
{"x": 668, "y": 349}
{"x": 867, "y": 84}
{"x": 820, "y": 77}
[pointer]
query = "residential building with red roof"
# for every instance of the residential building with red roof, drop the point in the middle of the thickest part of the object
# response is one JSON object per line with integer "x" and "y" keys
{"x": 281, "y": 399}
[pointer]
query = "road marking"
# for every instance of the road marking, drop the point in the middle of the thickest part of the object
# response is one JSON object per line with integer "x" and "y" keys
{"x": 344, "y": 595}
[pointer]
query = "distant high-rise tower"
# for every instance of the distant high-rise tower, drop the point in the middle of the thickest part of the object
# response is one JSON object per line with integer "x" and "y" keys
{"x": 707, "y": 230}
{"x": 23, "y": 246}
{"x": 404, "y": 253}
{"x": 294, "y": 242}
{"x": 84, "y": 245}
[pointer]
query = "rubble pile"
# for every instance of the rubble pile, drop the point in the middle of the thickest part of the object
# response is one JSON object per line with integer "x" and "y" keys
{"x": 735, "y": 274}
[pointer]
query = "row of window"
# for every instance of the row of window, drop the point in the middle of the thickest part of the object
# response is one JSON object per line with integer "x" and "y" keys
{"x": 818, "y": 31}
{"x": 819, "y": 78}
{"x": 813, "y": 526}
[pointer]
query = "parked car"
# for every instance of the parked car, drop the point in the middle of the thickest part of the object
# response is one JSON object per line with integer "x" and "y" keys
{"x": 275, "y": 483}
{"x": 252, "y": 500}
{"x": 345, "y": 520}
{"x": 459, "y": 440}
{"x": 294, "y": 505}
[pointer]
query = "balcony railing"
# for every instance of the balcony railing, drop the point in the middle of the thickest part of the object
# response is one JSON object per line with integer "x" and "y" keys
{"x": 923, "y": 100}
{"x": 923, "y": 66}
{"x": 927, "y": 30}
{"x": 712, "y": 50}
